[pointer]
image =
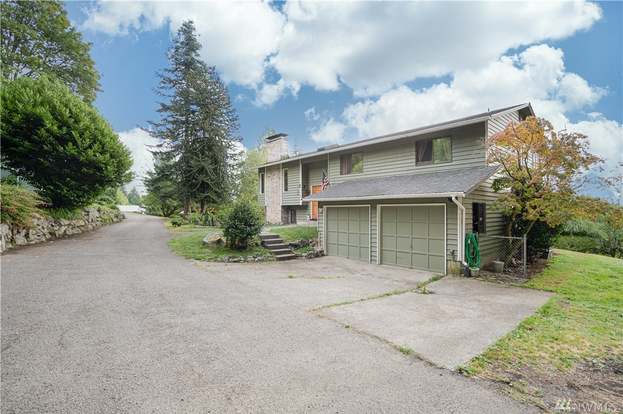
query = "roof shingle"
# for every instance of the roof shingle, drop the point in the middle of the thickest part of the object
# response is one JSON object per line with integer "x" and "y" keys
{"x": 442, "y": 184}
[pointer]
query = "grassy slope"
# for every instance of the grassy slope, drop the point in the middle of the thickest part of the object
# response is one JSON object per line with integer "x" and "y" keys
{"x": 188, "y": 244}
{"x": 582, "y": 322}
{"x": 289, "y": 234}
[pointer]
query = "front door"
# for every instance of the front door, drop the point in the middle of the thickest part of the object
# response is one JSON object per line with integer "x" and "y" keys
{"x": 314, "y": 204}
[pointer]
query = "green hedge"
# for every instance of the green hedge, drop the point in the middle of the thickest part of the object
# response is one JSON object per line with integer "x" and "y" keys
{"x": 583, "y": 244}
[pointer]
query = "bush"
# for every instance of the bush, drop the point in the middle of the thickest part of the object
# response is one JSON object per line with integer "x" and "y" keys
{"x": 539, "y": 239}
{"x": 177, "y": 221}
{"x": 241, "y": 224}
{"x": 18, "y": 205}
{"x": 59, "y": 143}
{"x": 583, "y": 244}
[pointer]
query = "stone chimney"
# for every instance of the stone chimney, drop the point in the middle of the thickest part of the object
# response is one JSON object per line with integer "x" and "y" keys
{"x": 276, "y": 147}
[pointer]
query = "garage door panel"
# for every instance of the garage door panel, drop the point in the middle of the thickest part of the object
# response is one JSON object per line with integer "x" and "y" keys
{"x": 413, "y": 236}
{"x": 435, "y": 246}
{"x": 436, "y": 263}
{"x": 388, "y": 257}
{"x": 364, "y": 240}
{"x": 403, "y": 243}
{"x": 419, "y": 245}
{"x": 389, "y": 243}
{"x": 435, "y": 230}
{"x": 419, "y": 261}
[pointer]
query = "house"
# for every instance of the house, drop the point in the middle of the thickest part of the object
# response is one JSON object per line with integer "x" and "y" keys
{"x": 404, "y": 199}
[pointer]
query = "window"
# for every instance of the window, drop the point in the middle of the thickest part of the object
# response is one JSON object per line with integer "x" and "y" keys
{"x": 479, "y": 218}
{"x": 285, "y": 179}
{"x": 351, "y": 163}
{"x": 261, "y": 183}
{"x": 433, "y": 151}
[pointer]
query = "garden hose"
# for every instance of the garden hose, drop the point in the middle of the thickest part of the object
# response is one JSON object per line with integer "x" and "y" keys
{"x": 472, "y": 252}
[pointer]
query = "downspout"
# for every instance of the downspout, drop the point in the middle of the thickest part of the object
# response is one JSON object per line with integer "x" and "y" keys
{"x": 460, "y": 218}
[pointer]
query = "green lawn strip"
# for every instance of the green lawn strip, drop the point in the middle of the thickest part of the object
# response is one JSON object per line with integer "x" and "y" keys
{"x": 583, "y": 320}
{"x": 294, "y": 233}
{"x": 189, "y": 244}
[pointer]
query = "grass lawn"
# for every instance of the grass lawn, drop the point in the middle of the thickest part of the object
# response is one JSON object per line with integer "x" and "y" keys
{"x": 187, "y": 243}
{"x": 573, "y": 346}
{"x": 293, "y": 233}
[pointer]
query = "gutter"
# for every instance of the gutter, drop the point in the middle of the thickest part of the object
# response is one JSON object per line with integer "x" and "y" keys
{"x": 461, "y": 229}
{"x": 387, "y": 197}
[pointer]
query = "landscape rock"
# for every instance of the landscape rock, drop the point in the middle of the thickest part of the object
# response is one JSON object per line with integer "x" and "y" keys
{"x": 214, "y": 239}
{"x": 45, "y": 228}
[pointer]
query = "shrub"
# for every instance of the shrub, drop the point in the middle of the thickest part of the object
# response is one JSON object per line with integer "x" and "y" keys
{"x": 241, "y": 224}
{"x": 18, "y": 205}
{"x": 59, "y": 143}
{"x": 583, "y": 244}
{"x": 539, "y": 239}
{"x": 177, "y": 221}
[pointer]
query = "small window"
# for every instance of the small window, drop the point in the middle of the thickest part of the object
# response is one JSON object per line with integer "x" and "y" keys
{"x": 285, "y": 180}
{"x": 261, "y": 183}
{"x": 433, "y": 151}
{"x": 479, "y": 218}
{"x": 351, "y": 163}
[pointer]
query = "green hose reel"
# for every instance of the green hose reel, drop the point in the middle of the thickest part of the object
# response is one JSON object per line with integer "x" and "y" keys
{"x": 472, "y": 252}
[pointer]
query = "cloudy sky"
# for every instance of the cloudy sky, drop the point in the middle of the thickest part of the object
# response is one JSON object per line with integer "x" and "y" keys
{"x": 327, "y": 72}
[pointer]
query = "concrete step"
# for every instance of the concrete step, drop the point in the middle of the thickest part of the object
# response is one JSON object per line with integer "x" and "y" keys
{"x": 280, "y": 251}
{"x": 276, "y": 246}
{"x": 287, "y": 256}
{"x": 269, "y": 236}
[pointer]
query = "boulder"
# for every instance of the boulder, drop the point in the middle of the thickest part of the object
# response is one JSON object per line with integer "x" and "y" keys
{"x": 214, "y": 239}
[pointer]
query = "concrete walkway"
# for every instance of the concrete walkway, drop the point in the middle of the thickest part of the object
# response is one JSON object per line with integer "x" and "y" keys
{"x": 112, "y": 321}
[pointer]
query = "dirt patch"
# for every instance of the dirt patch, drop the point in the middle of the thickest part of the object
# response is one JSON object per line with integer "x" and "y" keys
{"x": 592, "y": 386}
{"x": 513, "y": 275}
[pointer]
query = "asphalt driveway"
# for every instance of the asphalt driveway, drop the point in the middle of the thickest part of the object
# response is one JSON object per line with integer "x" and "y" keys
{"x": 112, "y": 321}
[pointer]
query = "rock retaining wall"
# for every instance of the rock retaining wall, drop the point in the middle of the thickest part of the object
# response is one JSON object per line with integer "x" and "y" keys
{"x": 45, "y": 228}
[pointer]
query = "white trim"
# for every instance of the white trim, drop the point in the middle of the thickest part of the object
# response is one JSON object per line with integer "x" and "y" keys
{"x": 460, "y": 228}
{"x": 403, "y": 134}
{"x": 392, "y": 197}
{"x": 445, "y": 229}
{"x": 324, "y": 234}
{"x": 300, "y": 182}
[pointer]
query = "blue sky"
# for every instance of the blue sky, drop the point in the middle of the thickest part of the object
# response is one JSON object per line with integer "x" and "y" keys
{"x": 334, "y": 72}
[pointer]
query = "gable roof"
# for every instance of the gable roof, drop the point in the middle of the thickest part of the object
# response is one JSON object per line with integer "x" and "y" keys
{"x": 456, "y": 182}
{"x": 468, "y": 120}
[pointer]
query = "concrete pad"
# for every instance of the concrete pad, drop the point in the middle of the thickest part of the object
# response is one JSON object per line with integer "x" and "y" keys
{"x": 458, "y": 321}
{"x": 312, "y": 283}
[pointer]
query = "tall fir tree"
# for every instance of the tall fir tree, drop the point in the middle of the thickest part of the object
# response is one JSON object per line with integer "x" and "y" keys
{"x": 198, "y": 124}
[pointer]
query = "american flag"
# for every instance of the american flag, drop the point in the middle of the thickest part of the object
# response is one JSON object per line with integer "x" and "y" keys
{"x": 325, "y": 181}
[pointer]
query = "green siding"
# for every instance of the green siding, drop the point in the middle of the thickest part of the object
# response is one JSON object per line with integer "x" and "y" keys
{"x": 399, "y": 157}
{"x": 494, "y": 220}
{"x": 293, "y": 195}
{"x": 500, "y": 122}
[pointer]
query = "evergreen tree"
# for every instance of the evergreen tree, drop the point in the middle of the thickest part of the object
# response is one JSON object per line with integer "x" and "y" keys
{"x": 134, "y": 198}
{"x": 162, "y": 187}
{"x": 36, "y": 38}
{"x": 198, "y": 123}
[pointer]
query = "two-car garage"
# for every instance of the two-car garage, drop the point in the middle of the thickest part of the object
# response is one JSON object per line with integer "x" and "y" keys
{"x": 409, "y": 235}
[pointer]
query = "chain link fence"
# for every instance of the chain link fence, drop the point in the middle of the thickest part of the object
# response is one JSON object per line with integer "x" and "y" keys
{"x": 504, "y": 254}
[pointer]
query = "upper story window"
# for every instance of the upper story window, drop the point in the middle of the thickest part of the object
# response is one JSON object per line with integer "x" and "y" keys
{"x": 285, "y": 179}
{"x": 351, "y": 163}
{"x": 479, "y": 218}
{"x": 433, "y": 151}
{"x": 261, "y": 183}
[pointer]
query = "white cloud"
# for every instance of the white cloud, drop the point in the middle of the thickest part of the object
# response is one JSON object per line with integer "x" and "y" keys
{"x": 138, "y": 142}
{"x": 375, "y": 46}
{"x": 330, "y": 131}
{"x": 536, "y": 75}
{"x": 237, "y": 37}
{"x": 371, "y": 47}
